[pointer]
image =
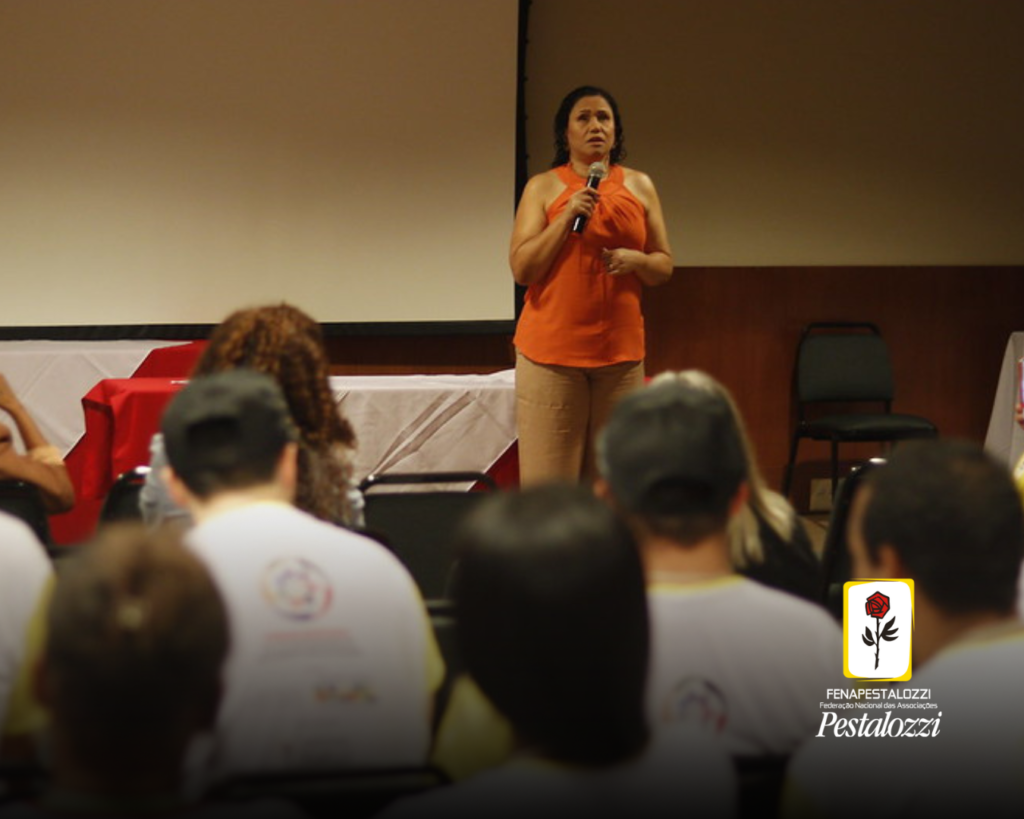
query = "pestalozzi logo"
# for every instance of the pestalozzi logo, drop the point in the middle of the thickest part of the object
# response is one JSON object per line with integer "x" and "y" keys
{"x": 878, "y": 627}
{"x": 884, "y": 725}
{"x": 878, "y": 617}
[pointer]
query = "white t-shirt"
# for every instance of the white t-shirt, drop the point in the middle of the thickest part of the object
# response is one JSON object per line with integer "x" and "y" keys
{"x": 24, "y": 570}
{"x": 332, "y": 661}
{"x": 683, "y": 772}
{"x": 747, "y": 661}
{"x": 971, "y": 763}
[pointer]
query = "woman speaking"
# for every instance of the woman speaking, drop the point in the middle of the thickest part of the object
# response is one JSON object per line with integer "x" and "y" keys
{"x": 588, "y": 234}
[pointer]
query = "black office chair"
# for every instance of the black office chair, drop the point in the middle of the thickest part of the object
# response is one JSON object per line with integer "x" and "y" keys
{"x": 835, "y": 558}
{"x": 122, "y": 501}
{"x": 844, "y": 363}
{"x": 418, "y": 526}
{"x": 23, "y": 500}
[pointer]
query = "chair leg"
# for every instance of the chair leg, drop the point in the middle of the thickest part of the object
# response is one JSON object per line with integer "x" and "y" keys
{"x": 835, "y": 469}
{"x": 787, "y": 476}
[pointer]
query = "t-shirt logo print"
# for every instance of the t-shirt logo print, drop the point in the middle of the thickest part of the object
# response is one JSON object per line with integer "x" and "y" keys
{"x": 297, "y": 588}
{"x": 877, "y": 606}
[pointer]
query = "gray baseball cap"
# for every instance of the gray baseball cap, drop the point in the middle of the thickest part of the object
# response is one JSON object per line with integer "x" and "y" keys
{"x": 245, "y": 408}
{"x": 671, "y": 433}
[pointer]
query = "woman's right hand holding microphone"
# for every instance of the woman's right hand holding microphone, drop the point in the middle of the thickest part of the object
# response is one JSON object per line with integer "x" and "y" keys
{"x": 581, "y": 203}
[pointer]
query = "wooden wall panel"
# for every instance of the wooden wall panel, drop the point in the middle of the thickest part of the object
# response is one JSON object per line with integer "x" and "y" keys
{"x": 387, "y": 355}
{"x": 946, "y": 328}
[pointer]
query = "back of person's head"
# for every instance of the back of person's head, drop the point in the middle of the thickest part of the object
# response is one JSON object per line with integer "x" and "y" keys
{"x": 553, "y": 622}
{"x": 137, "y": 636}
{"x": 673, "y": 459}
{"x": 954, "y": 517}
{"x": 227, "y": 431}
{"x": 762, "y": 503}
{"x": 288, "y": 345}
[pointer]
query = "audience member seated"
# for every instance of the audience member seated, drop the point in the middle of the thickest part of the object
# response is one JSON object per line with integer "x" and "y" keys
{"x": 746, "y": 660}
{"x": 286, "y": 344}
{"x": 25, "y": 579}
{"x": 41, "y": 465}
{"x": 947, "y": 516}
{"x": 136, "y": 640}
{"x": 767, "y": 541}
{"x": 553, "y": 627}
{"x": 334, "y": 662}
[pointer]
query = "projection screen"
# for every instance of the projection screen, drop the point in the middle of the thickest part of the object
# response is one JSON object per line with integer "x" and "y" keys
{"x": 167, "y": 162}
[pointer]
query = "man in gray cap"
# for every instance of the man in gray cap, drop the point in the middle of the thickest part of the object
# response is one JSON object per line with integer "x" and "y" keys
{"x": 333, "y": 662}
{"x": 749, "y": 662}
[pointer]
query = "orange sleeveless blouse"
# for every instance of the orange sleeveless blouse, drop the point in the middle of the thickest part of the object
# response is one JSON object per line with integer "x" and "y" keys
{"x": 578, "y": 315}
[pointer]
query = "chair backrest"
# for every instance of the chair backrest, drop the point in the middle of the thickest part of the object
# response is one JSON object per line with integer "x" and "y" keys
{"x": 419, "y": 526}
{"x": 835, "y": 560}
{"x": 843, "y": 361}
{"x": 122, "y": 501}
{"x": 23, "y": 500}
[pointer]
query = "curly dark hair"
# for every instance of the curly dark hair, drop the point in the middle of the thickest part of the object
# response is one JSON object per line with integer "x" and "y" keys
{"x": 618, "y": 152}
{"x": 288, "y": 345}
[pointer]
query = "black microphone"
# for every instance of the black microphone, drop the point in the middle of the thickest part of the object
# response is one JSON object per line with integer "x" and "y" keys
{"x": 594, "y": 177}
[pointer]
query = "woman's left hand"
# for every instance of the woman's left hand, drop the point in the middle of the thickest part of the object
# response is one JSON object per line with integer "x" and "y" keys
{"x": 620, "y": 261}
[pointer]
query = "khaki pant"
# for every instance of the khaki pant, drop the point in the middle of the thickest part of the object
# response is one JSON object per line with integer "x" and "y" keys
{"x": 560, "y": 410}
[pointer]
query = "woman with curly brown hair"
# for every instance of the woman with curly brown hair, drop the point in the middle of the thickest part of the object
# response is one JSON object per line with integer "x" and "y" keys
{"x": 287, "y": 344}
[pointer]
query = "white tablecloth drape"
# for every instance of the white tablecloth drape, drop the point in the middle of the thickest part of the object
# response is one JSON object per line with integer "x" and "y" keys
{"x": 50, "y": 378}
{"x": 404, "y": 423}
{"x": 428, "y": 423}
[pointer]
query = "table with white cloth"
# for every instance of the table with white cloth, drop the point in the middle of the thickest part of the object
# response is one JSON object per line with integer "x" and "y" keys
{"x": 1005, "y": 438}
{"x": 428, "y": 423}
{"x": 403, "y": 423}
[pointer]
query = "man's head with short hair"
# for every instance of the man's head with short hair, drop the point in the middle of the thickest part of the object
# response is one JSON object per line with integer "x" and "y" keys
{"x": 227, "y": 431}
{"x": 673, "y": 460}
{"x": 553, "y": 622}
{"x": 137, "y": 637}
{"x": 952, "y": 517}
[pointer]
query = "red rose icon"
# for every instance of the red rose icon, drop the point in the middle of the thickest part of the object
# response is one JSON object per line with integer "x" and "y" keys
{"x": 877, "y": 605}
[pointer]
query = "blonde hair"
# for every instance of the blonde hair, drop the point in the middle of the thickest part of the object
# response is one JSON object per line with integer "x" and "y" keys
{"x": 744, "y": 537}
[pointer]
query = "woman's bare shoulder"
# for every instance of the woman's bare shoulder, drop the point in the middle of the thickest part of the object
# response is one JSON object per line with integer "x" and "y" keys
{"x": 631, "y": 176}
{"x": 639, "y": 184}
{"x": 544, "y": 187}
